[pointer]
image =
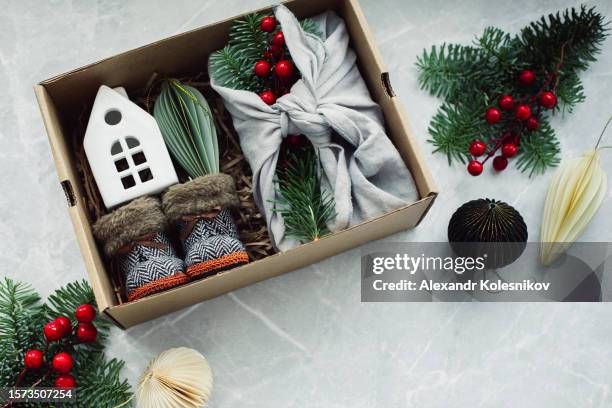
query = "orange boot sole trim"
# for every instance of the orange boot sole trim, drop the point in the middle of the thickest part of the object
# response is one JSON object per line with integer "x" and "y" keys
{"x": 158, "y": 286}
{"x": 207, "y": 268}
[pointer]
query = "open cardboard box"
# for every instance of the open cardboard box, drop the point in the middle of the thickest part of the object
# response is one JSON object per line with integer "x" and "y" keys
{"x": 186, "y": 54}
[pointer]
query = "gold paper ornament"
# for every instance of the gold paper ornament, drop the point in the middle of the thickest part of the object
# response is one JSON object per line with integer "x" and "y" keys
{"x": 176, "y": 378}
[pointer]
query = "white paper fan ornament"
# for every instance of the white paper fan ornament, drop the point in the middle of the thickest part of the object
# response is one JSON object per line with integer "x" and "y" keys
{"x": 574, "y": 196}
{"x": 176, "y": 378}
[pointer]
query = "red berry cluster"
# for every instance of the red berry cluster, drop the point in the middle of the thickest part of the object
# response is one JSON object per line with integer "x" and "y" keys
{"x": 55, "y": 331}
{"x": 275, "y": 67}
{"x": 520, "y": 115}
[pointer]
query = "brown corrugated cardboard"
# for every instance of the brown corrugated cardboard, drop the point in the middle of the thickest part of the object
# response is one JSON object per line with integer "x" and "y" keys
{"x": 60, "y": 98}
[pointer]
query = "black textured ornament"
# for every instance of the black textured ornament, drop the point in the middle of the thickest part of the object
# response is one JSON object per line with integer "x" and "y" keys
{"x": 490, "y": 227}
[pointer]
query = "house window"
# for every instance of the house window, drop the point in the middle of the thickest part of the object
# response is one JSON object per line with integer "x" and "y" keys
{"x": 130, "y": 162}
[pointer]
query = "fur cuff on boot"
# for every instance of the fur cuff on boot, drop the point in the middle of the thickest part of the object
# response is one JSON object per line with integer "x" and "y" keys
{"x": 199, "y": 195}
{"x": 125, "y": 224}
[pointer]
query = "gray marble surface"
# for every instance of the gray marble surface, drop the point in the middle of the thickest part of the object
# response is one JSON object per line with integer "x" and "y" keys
{"x": 304, "y": 339}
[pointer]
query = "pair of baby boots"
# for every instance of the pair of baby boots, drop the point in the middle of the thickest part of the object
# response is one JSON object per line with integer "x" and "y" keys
{"x": 199, "y": 212}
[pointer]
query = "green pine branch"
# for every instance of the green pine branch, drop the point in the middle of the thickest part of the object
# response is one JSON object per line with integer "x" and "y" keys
{"x": 471, "y": 78}
{"x": 310, "y": 27}
{"x": 233, "y": 69}
{"x": 539, "y": 150}
{"x": 306, "y": 209}
{"x": 445, "y": 70}
{"x": 570, "y": 91}
{"x": 232, "y": 66}
{"x": 100, "y": 383}
{"x": 245, "y": 35}
{"x": 21, "y": 320}
{"x": 454, "y": 126}
{"x": 22, "y": 317}
{"x": 66, "y": 299}
{"x": 583, "y": 32}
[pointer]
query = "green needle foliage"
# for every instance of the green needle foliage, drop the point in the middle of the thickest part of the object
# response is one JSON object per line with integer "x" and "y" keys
{"x": 188, "y": 128}
{"x": 232, "y": 66}
{"x": 471, "y": 78}
{"x": 22, "y": 317}
{"x": 232, "y": 69}
{"x": 306, "y": 209}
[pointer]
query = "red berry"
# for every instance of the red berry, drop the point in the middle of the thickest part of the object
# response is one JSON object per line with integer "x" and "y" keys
{"x": 532, "y": 123}
{"x": 85, "y": 313}
{"x": 268, "y": 55}
{"x": 500, "y": 163}
{"x": 474, "y": 167}
{"x": 65, "y": 323}
{"x": 53, "y": 331}
{"x": 527, "y": 77}
{"x": 62, "y": 362}
{"x": 294, "y": 140}
{"x": 492, "y": 116}
{"x": 284, "y": 69}
{"x": 509, "y": 150}
{"x": 275, "y": 49}
{"x": 268, "y": 24}
{"x": 548, "y": 100}
{"x": 65, "y": 381}
{"x": 522, "y": 112}
{"x": 477, "y": 148}
{"x": 33, "y": 359}
{"x": 86, "y": 332}
{"x": 506, "y": 102}
{"x": 278, "y": 39}
{"x": 268, "y": 97}
{"x": 262, "y": 68}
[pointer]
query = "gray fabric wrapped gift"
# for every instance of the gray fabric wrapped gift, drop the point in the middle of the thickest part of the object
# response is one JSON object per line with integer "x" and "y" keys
{"x": 332, "y": 107}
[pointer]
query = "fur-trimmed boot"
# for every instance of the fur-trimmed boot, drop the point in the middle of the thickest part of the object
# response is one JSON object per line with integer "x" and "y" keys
{"x": 200, "y": 210}
{"x": 134, "y": 236}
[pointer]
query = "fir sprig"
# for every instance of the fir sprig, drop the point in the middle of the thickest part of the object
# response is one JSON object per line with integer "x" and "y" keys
{"x": 306, "y": 209}
{"x": 233, "y": 69}
{"x": 472, "y": 77}
{"x": 22, "y": 317}
{"x": 247, "y": 36}
{"x": 100, "y": 380}
{"x": 539, "y": 150}
{"x": 232, "y": 66}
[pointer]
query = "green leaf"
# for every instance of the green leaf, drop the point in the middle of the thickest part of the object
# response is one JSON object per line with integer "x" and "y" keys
{"x": 188, "y": 128}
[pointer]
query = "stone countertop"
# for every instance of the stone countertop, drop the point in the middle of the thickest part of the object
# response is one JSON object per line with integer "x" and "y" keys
{"x": 304, "y": 339}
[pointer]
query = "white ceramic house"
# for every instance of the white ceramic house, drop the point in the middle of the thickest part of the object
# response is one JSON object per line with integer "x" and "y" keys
{"x": 125, "y": 149}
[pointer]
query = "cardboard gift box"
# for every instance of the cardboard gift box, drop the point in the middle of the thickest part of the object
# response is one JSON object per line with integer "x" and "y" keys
{"x": 182, "y": 55}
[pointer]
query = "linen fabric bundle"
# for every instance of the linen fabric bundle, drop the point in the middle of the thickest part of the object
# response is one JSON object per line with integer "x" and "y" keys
{"x": 332, "y": 107}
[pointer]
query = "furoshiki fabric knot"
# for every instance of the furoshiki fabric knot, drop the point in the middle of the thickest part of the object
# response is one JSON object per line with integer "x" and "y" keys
{"x": 332, "y": 107}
